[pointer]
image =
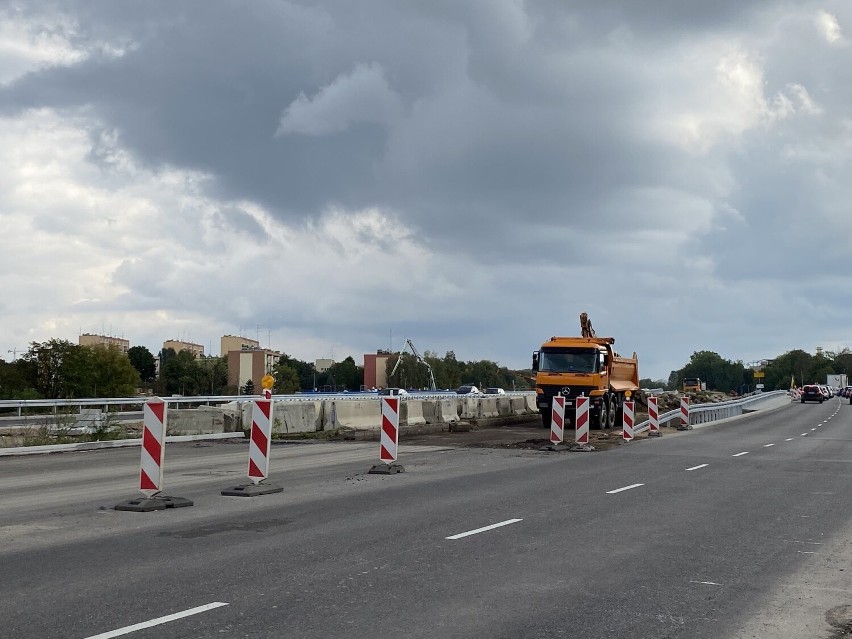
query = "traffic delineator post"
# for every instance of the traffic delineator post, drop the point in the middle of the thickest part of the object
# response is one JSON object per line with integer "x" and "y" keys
{"x": 260, "y": 444}
{"x": 557, "y": 420}
{"x": 627, "y": 420}
{"x": 154, "y": 425}
{"x": 388, "y": 438}
{"x": 557, "y": 425}
{"x": 581, "y": 425}
{"x": 684, "y": 414}
{"x": 654, "y": 417}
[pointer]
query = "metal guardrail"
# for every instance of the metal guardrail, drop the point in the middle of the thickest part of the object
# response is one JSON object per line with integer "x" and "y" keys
{"x": 714, "y": 411}
{"x": 23, "y": 404}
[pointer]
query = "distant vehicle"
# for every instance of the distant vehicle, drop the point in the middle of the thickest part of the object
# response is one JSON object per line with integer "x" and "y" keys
{"x": 692, "y": 385}
{"x": 494, "y": 391}
{"x": 467, "y": 389}
{"x": 847, "y": 392}
{"x": 827, "y": 391}
{"x": 812, "y": 393}
{"x": 393, "y": 392}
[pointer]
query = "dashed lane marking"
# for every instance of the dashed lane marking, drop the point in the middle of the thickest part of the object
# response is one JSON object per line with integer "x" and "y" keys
{"x": 484, "y": 528}
{"x": 745, "y": 452}
{"x": 158, "y": 621}
{"x": 697, "y": 467}
{"x": 768, "y": 445}
{"x": 618, "y": 490}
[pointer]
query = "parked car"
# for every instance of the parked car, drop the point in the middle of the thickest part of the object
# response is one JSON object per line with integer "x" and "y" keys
{"x": 393, "y": 392}
{"x": 467, "y": 389}
{"x": 812, "y": 393}
{"x": 494, "y": 391}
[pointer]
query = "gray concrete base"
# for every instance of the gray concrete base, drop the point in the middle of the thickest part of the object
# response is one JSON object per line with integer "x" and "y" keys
{"x": 157, "y": 502}
{"x": 386, "y": 469}
{"x": 252, "y": 490}
{"x": 582, "y": 448}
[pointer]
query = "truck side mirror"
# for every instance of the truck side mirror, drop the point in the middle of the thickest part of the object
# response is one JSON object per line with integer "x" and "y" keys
{"x": 535, "y": 361}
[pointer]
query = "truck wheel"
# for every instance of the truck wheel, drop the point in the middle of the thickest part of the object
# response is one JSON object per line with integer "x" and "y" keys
{"x": 600, "y": 418}
{"x": 545, "y": 420}
{"x": 613, "y": 412}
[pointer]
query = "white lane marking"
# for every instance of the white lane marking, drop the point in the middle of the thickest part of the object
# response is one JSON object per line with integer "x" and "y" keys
{"x": 806, "y": 552}
{"x": 697, "y": 467}
{"x": 706, "y": 583}
{"x": 768, "y": 445}
{"x": 789, "y": 439}
{"x": 618, "y": 490}
{"x": 813, "y": 429}
{"x": 484, "y": 528}
{"x": 740, "y": 454}
{"x": 803, "y": 435}
{"x": 160, "y": 620}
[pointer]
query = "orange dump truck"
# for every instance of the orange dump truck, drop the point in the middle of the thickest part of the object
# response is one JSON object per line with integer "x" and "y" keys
{"x": 587, "y": 365}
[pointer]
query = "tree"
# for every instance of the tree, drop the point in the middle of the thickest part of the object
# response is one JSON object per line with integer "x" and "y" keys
{"x": 143, "y": 361}
{"x": 347, "y": 374}
{"x": 248, "y": 389}
{"x": 286, "y": 379}
{"x": 306, "y": 372}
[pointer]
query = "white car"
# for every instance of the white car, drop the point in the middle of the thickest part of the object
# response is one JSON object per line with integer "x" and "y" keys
{"x": 393, "y": 392}
{"x": 494, "y": 391}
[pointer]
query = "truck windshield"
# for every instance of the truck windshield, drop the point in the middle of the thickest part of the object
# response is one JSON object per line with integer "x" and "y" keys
{"x": 568, "y": 360}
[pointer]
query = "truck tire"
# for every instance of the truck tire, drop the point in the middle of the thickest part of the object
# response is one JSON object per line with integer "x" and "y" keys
{"x": 545, "y": 420}
{"x": 613, "y": 411}
{"x": 599, "y": 418}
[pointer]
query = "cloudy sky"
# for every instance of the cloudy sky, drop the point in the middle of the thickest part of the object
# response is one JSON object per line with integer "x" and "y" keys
{"x": 334, "y": 176}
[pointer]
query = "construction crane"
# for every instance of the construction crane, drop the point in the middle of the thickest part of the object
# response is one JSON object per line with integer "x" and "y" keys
{"x": 419, "y": 359}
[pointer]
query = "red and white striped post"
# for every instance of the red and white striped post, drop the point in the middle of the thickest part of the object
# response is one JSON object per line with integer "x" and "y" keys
{"x": 653, "y": 417}
{"x": 581, "y": 421}
{"x": 154, "y": 416}
{"x": 260, "y": 445}
{"x": 557, "y": 420}
{"x": 627, "y": 421}
{"x": 389, "y": 438}
{"x": 260, "y": 441}
{"x": 684, "y": 413}
{"x": 154, "y": 421}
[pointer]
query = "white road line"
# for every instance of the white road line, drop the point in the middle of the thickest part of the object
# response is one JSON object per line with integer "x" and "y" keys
{"x": 706, "y": 583}
{"x": 479, "y": 530}
{"x": 618, "y": 490}
{"x": 160, "y": 620}
{"x": 697, "y": 467}
{"x": 813, "y": 429}
{"x": 789, "y": 439}
{"x": 803, "y": 435}
{"x": 745, "y": 452}
{"x": 768, "y": 445}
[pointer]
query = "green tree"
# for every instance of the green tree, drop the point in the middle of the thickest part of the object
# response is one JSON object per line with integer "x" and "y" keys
{"x": 286, "y": 379}
{"x": 143, "y": 361}
{"x": 306, "y": 372}
{"x": 347, "y": 374}
{"x": 248, "y": 389}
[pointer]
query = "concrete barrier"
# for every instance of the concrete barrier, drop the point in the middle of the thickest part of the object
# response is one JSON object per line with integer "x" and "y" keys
{"x": 358, "y": 414}
{"x": 488, "y": 408}
{"x": 504, "y": 406}
{"x": 531, "y": 405}
{"x": 468, "y": 407}
{"x": 411, "y": 413}
{"x": 519, "y": 405}
{"x": 296, "y": 417}
{"x": 447, "y": 410}
{"x": 202, "y": 420}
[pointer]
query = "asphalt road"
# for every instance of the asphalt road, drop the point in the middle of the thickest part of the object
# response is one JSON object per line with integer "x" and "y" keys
{"x": 730, "y": 531}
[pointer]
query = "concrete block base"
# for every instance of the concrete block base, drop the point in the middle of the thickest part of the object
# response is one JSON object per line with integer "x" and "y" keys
{"x": 252, "y": 490}
{"x": 386, "y": 469}
{"x": 157, "y": 502}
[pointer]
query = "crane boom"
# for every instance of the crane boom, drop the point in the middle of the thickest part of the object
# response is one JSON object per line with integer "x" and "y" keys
{"x": 410, "y": 345}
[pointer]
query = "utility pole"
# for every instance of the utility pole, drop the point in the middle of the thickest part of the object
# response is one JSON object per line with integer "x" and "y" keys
{"x": 15, "y": 352}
